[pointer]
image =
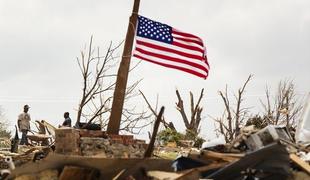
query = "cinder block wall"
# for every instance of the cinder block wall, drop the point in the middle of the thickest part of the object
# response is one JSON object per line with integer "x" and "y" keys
{"x": 67, "y": 141}
{"x": 97, "y": 143}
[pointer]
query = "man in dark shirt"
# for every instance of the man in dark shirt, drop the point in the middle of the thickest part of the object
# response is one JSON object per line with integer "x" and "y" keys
{"x": 67, "y": 121}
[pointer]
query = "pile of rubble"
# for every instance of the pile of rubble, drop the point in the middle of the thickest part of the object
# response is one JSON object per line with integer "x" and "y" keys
{"x": 268, "y": 153}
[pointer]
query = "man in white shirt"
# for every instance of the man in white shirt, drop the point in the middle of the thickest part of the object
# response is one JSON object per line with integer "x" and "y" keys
{"x": 24, "y": 124}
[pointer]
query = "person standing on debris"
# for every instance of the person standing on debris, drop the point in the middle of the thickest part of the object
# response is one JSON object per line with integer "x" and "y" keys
{"x": 67, "y": 121}
{"x": 23, "y": 123}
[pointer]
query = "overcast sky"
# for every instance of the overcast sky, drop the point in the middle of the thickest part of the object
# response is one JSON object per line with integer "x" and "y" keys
{"x": 39, "y": 42}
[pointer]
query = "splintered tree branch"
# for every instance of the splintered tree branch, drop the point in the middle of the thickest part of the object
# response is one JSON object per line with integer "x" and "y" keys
{"x": 195, "y": 118}
{"x": 239, "y": 100}
{"x": 155, "y": 113}
{"x": 229, "y": 123}
{"x": 198, "y": 118}
{"x": 227, "y": 107}
{"x": 180, "y": 108}
{"x": 192, "y": 106}
{"x": 286, "y": 107}
{"x": 150, "y": 147}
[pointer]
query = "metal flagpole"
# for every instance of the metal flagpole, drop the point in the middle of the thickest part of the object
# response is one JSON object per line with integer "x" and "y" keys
{"x": 122, "y": 75}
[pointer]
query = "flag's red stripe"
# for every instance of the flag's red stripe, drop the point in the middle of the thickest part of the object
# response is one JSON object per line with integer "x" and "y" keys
{"x": 184, "y": 34}
{"x": 193, "y": 48}
{"x": 172, "y": 66}
{"x": 189, "y": 40}
{"x": 150, "y": 45}
{"x": 169, "y": 58}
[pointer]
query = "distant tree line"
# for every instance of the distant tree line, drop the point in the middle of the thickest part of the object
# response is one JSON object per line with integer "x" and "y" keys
{"x": 282, "y": 108}
{"x": 4, "y": 133}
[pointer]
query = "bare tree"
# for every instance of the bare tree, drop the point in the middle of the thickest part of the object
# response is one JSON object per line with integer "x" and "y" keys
{"x": 285, "y": 108}
{"x": 233, "y": 117}
{"x": 3, "y": 125}
{"x": 98, "y": 73}
{"x": 192, "y": 124}
{"x": 154, "y": 111}
{"x": 94, "y": 68}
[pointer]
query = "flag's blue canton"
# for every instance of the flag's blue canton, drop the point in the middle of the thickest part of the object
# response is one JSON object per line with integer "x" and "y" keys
{"x": 154, "y": 30}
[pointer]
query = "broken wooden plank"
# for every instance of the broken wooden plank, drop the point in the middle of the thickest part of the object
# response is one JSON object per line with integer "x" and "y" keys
{"x": 38, "y": 137}
{"x": 206, "y": 155}
{"x": 51, "y": 174}
{"x": 108, "y": 167}
{"x": 40, "y": 126}
{"x": 79, "y": 173}
{"x": 163, "y": 175}
{"x": 150, "y": 148}
{"x": 194, "y": 173}
{"x": 50, "y": 128}
{"x": 305, "y": 166}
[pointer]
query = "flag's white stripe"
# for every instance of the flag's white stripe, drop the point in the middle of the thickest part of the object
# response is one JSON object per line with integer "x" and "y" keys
{"x": 193, "y": 38}
{"x": 157, "y": 51}
{"x": 189, "y": 38}
{"x": 189, "y": 43}
{"x": 171, "y": 63}
{"x": 169, "y": 46}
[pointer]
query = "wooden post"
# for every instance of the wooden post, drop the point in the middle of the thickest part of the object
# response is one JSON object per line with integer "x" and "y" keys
{"x": 122, "y": 75}
{"x": 150, "y": 147}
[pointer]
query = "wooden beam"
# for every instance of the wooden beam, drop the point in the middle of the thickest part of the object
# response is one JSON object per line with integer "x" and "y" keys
{"x": 305, "y": 166}
{"x": 122, "y": 75}
{"x": 194, "y": 172}
{"x": 109, "y": 167}
{"x": 150, "y": 147}
{"x": 207, "y": 155}
{"x": 79, "y": 173}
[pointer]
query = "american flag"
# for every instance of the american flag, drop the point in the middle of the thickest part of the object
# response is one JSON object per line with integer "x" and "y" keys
{"x": 163, "y": 45}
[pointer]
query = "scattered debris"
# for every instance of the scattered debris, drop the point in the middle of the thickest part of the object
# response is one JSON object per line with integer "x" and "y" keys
{"x": 302, "y": 164}
{"x": 268, "y": 153}
{"x": 267, "y": 136}
{"x": 303, "y": 129}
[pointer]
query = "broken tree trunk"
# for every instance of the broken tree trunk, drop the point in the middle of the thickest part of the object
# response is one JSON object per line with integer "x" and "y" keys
{"x": 192, "y": 123}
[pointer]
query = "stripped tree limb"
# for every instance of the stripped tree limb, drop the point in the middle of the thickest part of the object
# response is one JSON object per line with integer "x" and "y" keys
{"x": 195, "y": 118}
{"x": 286, "y": 107}
{"x": 167, "y": 125}
{"x": 229, "y": 124}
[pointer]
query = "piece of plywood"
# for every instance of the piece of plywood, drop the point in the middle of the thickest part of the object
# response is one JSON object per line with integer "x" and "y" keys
{"x": 305, "y": 166}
